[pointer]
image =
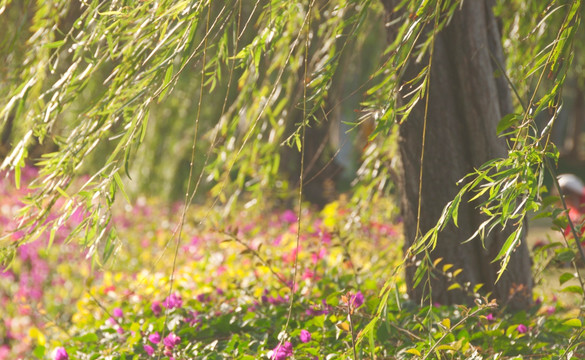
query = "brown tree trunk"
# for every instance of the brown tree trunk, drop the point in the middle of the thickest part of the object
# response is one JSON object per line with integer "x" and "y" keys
{"x": 467, "y": 99}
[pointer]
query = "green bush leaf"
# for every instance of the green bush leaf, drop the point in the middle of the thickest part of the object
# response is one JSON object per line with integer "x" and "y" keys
{"x": 572, "y": 323}
{"x": 574, "y": 289}
{"x": 566, "y": 277}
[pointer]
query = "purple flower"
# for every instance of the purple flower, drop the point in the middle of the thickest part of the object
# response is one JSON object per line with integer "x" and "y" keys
{"x": 316, "y": 310}
{"x": 305, "y": 336}
{"x": 538, "y": 301}
{"x": 281, "y": 352}
{"x": 490, "y": 317}
{"x": 171, "y": 340}
{"x": 357, "y": 300}
{"x": 522, "y": 328}
{"x": 193, "y": 318}
{"x": 173, "y": 301}
{"x": 154, "y": 338}
{"x": 149, "y": 349}
{"x": 156, "y": 309}
{"x": 289, "y": 216}
{"x": 61, "y": 354}
{"x": 118, "y": 313}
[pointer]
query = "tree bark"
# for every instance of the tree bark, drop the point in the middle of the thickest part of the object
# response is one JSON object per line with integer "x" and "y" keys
{"x": 466, "y": 101}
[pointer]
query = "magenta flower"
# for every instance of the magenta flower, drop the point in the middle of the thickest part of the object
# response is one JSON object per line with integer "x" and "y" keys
{"x": 193, "y": 318}
{"x": 282, "y": 352}
{"x": 149, "y": 350}
{"x": 171, "y": 340}
{"x": 61, "y": 354}
{"x": 490, "y": 317}
{"x": 305, "y": 336}
{"x": 173, "y": 301}
{"x": 118, "y": 313}
{"x": 156, "y": 309}
{"x": 522, "y": 328}
{"x": 154, "y": 338}
{"x": 357, "y": 300}
{"x": 289, "y": 216}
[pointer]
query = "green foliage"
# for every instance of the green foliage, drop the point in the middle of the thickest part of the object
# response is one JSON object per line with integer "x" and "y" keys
{"x": 192, "y": 95}
{"x": 231, "y": 294}
{"x": 201, "y": 95}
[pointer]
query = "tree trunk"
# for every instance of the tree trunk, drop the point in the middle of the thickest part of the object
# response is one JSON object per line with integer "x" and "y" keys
{"x": 467, "y": 99}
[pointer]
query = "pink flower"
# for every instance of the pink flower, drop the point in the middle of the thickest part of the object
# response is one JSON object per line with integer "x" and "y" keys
{"x": 289, "y": 216}
{"x": 357, "y": 300}
{"x": 4, "y": 352}
{"x": 118, "y": 313}
{"x": 61, "y": 354}
{"x": 282, "y": 352}
{"x": 521, "y": 328}
{"x": 154, "y": 338}
{"x": 315, "y": 257}
{"x": 156, "y": 309}
{"x": 550, "y": 310}
{"x": 309, "y": 274}
{"x": 173, "y": 301}
{"x": 305, "y": 336}
{"x": 490, "y": 317}
{"x": 171, "y": 340}
{"x": 149, "y": 349}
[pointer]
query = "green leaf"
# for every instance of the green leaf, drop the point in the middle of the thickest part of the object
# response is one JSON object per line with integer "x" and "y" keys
{"x": 413, "y": 351}
{"x": 87, "y": 338}
{"x": 17, "y": 177}
{"x": 573, "y": 289}
{"x": 565, "y": 255}
{"x": 566, "y": 277}
{"x": 39, "y": 352}
{"x": 166, "y": 83}
{"x": 506, "y": 122}
{"x": 54, "y": 44}
{"x": 572, "y": 323}
{"x": 120, "y": 185}
{"x": 445, "y": 347}
{"x": 454, "y": 286}
{"x": 298, "y": 142}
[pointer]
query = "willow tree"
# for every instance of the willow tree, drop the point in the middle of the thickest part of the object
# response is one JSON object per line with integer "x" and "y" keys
{"x": 467, "y": 95}
{"x": 90, "y": 76}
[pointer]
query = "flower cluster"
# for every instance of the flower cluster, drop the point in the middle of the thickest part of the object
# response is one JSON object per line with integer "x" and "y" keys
{"x": 282, "y": 351}
{"x": 173, "y": 301}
